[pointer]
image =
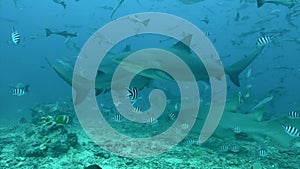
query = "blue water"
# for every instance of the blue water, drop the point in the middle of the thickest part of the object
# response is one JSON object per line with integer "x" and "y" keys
{"x": 26, "y": 63}
{"x": 21, "y": 63}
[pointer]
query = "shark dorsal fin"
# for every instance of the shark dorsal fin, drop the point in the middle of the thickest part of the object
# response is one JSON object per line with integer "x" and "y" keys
{"x": 182, "y": 44}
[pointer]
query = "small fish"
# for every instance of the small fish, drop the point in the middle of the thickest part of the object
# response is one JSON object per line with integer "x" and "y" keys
{"x": 264, "y": 40}
{"x": 184, "y": 126}
{"x": 294, "y": 115}
{"x": 172, "y": 116}
{"x": 262, "y": 102}
{"x": 237, "y": 129}
{"x": 247, "y": 94}
{"x": 137, "y": 110}
{"x": 117, "y": 118}
{"x": 61, "y": 2}
{"x": 249, "y": 72}
{"x": 135, "y": 19}
{"x": 224, "y": 148}
{"x": 133, "y": 93}
{"x": 291, "y": 130}
{"x": 235, "y": 148}
{"x": 15, "y": 36}
{"x": 116, "y": 8}
{"x": 188, "y": 142}
{"x": 237, "y": 17}
{"x": 262, "y": 153}
{"x": 62, "y": 119}
{"x": 152, "y": 121}
{"x": 19, "y": 89}
{"x": 61, "y": 33}
{"x": 205, "y": 20}
{"x": 240, "y": 97}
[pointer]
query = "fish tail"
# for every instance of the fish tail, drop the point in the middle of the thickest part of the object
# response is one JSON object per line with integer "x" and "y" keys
{"x": 64, "y": 5}
{"x": 146, "y": 22}
{"x": 48, "y": 32}
{"x": 26, "y": 88}
{"x": 237, "y": 68}
{"x": 260, "y": 3}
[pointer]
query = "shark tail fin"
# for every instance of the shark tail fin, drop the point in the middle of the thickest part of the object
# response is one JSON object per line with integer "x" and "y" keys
{"x": 26, "y": 88}
{"x": 237, "y": 68}
{"x": 146, "y": 22}
{"x": 48, "y": 32}
{"x": 234, "y": 77}
{"x": 260, "y": 3}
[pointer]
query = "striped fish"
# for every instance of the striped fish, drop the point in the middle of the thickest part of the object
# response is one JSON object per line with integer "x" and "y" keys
{"x": 294, "y": 115}
{"x": 152, "y": 121}
{"x": 19, "y": 90}
{"x": 137, "y": 110}
{"x": 235, "y": 148}
{"x": 15, "y": 36}
{"x": 223, "y": 148}
{"x": 237, "y": 129}
{"x": 264, "y": 40}
{"x": 262, "y": 153}
{"x": 172, "y": 116}
{"x": 188, "y": 142}
{"x": 291, "y": 130}
{"x": 117, "y": 118}
{"x": 132, "y": 93}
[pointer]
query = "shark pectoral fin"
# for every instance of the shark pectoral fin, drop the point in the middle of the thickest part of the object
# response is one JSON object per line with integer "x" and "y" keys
{"x": 97, "y": 92}
{"x": 181, "y": 45}
{"x": 234, "y": 77}
{"x": 82, "y": 87}
{"x": 100, "y": 73}
{"x": 80, "y": 96}
{"x": 235, "y": 69}
{"x": 260, "y": 3}
{"x": 48, "y": 32}
{"x": 258, "y": 114}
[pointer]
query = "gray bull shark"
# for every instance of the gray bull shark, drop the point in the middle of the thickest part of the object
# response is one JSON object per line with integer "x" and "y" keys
{"x": 253, "y": 125}
{"x": 194, "y": 64}
{"x": 61, "y": 33}
{"x": 103, "y": 77}
{"x": 102, "y": 80}
{"x": 288, "y": 3}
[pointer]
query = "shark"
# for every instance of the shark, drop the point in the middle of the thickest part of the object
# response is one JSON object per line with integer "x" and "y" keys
{"x": 61, "y": 33}
{"x": 145, "y": 78}
{"x": 254, "y": 125}
{"x": 196, "y": 66}
{"x": 102, "y": 80}
{"x": 288, "y": 3}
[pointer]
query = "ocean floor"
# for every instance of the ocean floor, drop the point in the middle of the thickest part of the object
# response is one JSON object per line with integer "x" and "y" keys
{"x": 37, "y": 145}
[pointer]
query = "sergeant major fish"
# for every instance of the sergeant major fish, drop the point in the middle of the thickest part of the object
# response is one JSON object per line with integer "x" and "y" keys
{"x": 15, "y": 36}
{"x": 262, "y": 41}
{"x": 132, "y": 93}
{"x": 294, "y": 115}
{"x": 19, "y": 90}
{"x": 291, "y": 130}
